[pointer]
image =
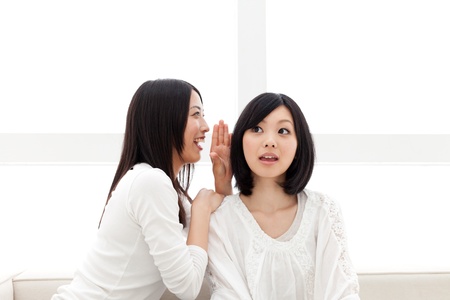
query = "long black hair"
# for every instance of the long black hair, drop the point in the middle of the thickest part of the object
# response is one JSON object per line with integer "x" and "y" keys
{"x": 155, "y": 125}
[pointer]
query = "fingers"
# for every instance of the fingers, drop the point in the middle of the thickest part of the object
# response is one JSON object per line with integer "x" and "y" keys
{"x": 226, "y": 136}
{"x": 221, "y": 135}
{"x": 209, "y": 198}
{"x": 215, "y": 136}
{"x": 221, "y": 132}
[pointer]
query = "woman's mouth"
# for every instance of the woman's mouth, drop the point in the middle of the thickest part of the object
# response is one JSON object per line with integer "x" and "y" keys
{"x": 268, "y": 158}
{"x": 199, "y": 140}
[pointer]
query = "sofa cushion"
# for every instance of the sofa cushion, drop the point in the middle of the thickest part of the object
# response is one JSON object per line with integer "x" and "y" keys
{"x": 204, "y": 293}
{"x": 41, "y": 285}
{"x": 408, "y": 286}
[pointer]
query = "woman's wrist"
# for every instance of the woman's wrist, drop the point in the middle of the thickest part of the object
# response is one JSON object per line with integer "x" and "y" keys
{"x": 199, "y": 227}
{"x": 200, "y": 208}
{"x": 223, "y": 187}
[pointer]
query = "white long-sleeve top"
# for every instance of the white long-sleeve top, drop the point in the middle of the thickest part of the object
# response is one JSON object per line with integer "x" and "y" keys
{"x": 310, "y": 261}
{"x": 140, "y": 247}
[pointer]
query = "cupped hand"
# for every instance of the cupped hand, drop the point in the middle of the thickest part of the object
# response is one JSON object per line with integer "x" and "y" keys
{"x": 220, "y": 157}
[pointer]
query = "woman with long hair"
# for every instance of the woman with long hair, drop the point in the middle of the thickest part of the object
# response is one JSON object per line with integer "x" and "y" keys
{"x": 141, "y": 246}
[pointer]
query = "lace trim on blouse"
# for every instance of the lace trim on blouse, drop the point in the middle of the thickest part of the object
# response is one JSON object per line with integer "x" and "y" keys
{"x": 262, "y": 243}
{"x": 337, "y": 226}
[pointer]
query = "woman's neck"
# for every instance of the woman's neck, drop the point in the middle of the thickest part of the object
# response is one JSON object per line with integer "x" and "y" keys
{"x": 268, "y": 196}
{"x": 177, "y": 164}
{"x": 271, "y": 207}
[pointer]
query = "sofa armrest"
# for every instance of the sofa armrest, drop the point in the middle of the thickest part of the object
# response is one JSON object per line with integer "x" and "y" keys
{"x": 39, "y": 285}
{"x": 6, "y": 284}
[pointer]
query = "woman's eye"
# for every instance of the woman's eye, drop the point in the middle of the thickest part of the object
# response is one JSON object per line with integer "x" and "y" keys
{"x": 283, "y": 131}
{"x": 256, "y": 129}
{"x": 197, "y": 114}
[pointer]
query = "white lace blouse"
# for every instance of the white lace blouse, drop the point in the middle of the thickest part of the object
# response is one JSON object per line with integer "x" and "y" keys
{"x": 310, "y": 261}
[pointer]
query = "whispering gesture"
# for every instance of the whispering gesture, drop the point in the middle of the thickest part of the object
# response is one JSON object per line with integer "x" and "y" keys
{"x": 220, "y": 158}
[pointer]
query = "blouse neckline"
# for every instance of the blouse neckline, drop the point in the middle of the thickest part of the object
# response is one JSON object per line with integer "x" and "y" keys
{"x": 261, "y": 234}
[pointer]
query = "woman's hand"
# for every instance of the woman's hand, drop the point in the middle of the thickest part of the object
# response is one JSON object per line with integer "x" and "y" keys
{"x": 205, "y": 203}
{"x": 220, "y": 158}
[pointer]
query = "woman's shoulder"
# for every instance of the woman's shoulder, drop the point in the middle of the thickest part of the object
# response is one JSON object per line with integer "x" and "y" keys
{"x": 320, "y": 199}
{"x": 228, "y": 203}
{"x": 144, "y": 177}
{"x": 325, "y": 205}
{"x": 144, "y": 182}
{"x": 145, "y": 171}
{"x": 229, "y": 216}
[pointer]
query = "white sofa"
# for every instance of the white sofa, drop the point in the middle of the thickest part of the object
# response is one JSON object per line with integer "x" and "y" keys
{"x": 40, "y": 285}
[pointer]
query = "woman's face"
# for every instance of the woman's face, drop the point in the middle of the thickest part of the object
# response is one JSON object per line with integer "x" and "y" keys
{"x": 194, "y": 133}
{"x": 269, "y": 148}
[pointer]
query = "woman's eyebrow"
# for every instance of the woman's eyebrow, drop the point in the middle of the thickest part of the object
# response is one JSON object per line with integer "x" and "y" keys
{"x": 279, "y": 121}
{"x": 196, "y": 106}
{"x": 285, "y": 121}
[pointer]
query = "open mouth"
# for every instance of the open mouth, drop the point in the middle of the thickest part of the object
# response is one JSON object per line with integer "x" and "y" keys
{"x": 199, "y": 140}
{"x": 268, "y": 158}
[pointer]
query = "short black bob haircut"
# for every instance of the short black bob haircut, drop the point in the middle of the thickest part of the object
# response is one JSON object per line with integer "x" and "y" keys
{"x": 301, "y": 168}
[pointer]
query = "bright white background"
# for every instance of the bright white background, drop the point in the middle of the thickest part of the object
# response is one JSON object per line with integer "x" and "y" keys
{"x": 73, "y": 66}
{"x": 363, "y": 66}
{"x": 355, "y": 67}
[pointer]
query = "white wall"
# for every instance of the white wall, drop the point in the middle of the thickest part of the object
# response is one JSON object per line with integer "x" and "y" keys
{"x": 371, "y": 78}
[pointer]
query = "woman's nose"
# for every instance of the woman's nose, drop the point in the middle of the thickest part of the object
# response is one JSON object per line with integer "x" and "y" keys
{"x": 270, "y": 143}
{"x": 204, "y": 126}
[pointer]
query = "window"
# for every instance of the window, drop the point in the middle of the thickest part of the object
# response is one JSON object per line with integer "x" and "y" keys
{"x": 371, "y": 78}
{"x": 363, "y": 68}
{"x": 73, "y": 68}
